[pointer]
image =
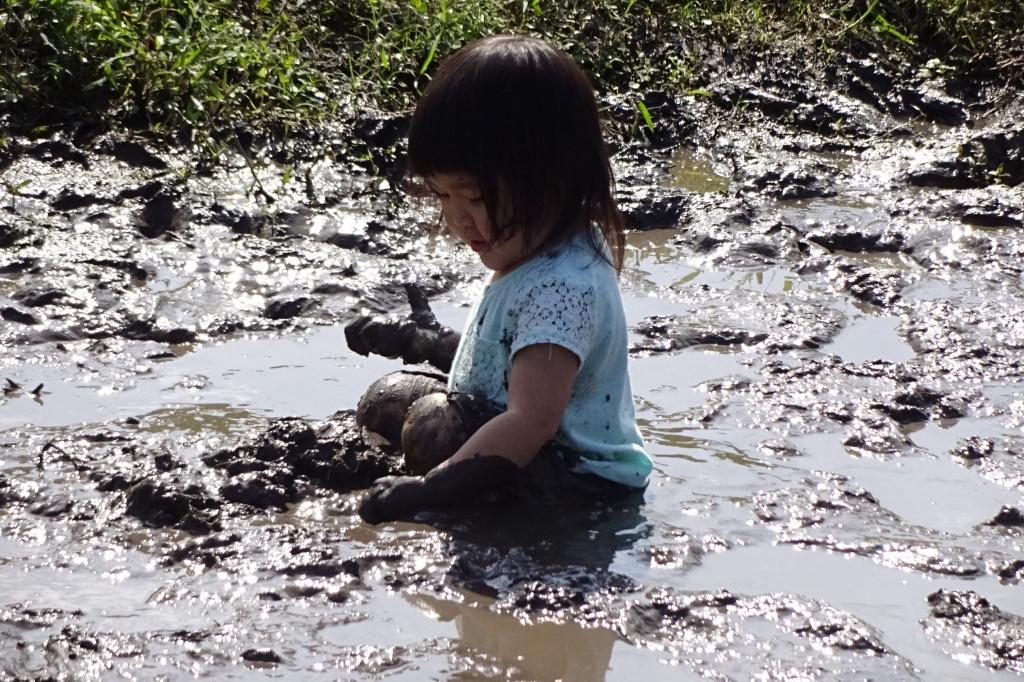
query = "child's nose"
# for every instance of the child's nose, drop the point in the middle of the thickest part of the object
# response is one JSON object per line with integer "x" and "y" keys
{"x": 459, "y": 217}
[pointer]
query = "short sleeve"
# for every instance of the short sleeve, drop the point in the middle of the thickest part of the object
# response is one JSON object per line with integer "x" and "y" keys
{"x": 557, "y": 311}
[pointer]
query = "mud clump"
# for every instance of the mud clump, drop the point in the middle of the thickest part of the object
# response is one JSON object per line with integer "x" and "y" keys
{"x": 857, "y": 239}
{"x": 974, "y": 627}
{"x": 789, "y": 183}
{"x": 384, "y": 405}
{"x": 1008, "y": 517}
{"x": 994, "y": 156}
{"x": 647, "y": 207}
{"x": 266, "y": 465}
{"x": 864, "y": 283}
{"x": 437, "y": 425}
{"x": 261, "y": 656}
{"x": 170, "y": 502}
{"x": 998, "y": 460}
{"x": 163, "y": 214}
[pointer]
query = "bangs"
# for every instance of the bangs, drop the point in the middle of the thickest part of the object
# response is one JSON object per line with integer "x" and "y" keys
{"x": 519, "y": 117}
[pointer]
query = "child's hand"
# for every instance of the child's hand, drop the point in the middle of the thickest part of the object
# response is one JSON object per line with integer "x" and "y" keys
{"x": 416, "y": 338}
{"x": 401, "y": 497}
{"x": 394, "y": 497}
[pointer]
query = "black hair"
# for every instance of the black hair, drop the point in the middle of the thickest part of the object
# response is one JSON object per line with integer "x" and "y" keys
{"x": 519, "y": 116}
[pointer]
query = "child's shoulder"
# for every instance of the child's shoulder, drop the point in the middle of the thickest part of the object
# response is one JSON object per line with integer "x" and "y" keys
{"x": 576, "y": 259}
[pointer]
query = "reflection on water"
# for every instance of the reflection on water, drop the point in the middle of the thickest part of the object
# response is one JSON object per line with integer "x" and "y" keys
{"x": 220, "y": 418}
{"x": 885, "y": 342}
{"x": 539, "y": 651}
{"x": 690, "y": 171}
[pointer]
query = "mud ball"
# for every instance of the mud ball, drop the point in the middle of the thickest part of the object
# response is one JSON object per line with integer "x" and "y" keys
{"x": 382, "y": 408}
{"x": 433, "y": 430}
{"x": 437, "y": 425}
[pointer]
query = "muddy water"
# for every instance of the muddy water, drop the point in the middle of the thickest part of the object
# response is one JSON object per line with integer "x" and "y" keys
{"x": 828, "y": 362}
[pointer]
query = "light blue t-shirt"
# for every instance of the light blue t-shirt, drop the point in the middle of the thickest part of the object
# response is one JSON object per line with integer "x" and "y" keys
{"x": 568, "y": 296}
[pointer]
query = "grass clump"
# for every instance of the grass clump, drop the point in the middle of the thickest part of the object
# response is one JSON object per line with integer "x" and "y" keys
{"x": 202, "y": 63}
{"x": 174, "y": 62}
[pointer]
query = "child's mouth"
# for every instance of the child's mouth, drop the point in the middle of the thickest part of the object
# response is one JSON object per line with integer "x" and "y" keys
{"x": 478, "y": 245}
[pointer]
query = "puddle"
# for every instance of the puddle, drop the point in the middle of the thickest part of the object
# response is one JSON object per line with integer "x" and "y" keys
{"x": 867, "y": 338}
{"x": 853, "y": 210}
{"x": 885, "y": 598}
{"x": 930, "y": 491}
{"x": 692, "y": 172}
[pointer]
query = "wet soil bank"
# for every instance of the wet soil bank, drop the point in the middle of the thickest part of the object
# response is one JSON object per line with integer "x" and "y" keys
{"x": 825, "y": 290}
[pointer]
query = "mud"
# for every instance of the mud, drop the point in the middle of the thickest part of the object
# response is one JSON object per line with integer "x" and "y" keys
{"x": 824, "y": 287}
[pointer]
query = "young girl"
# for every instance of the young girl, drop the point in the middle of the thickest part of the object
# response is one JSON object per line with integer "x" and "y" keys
{"x": 507, "y": 137}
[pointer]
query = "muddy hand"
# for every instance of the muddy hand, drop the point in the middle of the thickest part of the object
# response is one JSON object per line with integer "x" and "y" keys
{"x": 392, "y": 498}
{"x": 455, "y": 485}
{"x": 415, "y": 339}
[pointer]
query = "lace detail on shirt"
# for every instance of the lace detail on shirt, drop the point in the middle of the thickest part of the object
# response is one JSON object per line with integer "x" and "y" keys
{"x": 482, "y": 370}
{"x": 552, "y": 311}
{"x": 556, "y": 311}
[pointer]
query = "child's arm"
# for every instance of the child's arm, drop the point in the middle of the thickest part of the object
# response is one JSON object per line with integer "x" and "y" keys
{"x": 539, "y": 388}
{"x": 416, "y": 338}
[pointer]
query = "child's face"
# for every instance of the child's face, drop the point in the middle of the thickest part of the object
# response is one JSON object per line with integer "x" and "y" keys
{"x": 465, "y": 214}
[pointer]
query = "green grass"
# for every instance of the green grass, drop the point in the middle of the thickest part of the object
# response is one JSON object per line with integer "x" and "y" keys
{"x": 173, "y": 62}
{"x": 200, "y": 64}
